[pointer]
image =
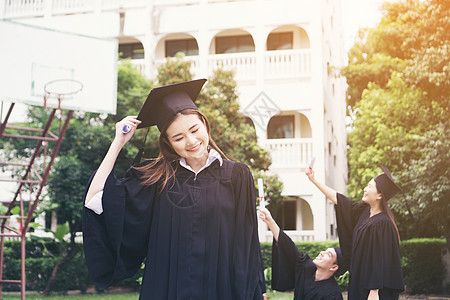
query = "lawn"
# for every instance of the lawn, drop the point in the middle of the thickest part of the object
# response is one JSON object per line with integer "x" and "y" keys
{"x": 129, "y": 296}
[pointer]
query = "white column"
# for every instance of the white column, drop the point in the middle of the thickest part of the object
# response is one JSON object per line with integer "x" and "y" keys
{"x": 48, "y": 8}
{"x": 2, "y": 8}
{"x": 203, "y": 42}
{"x": 149, "y": 43}
{"x": 320, "y": 216}
{"x": 98, "y": 7}
{"x": 259, "y": 46}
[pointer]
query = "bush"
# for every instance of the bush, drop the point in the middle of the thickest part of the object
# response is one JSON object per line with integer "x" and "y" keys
{"x": 73, "y": 275}
{"x": 423, "y": 269}
{"x": 41, "y": 257}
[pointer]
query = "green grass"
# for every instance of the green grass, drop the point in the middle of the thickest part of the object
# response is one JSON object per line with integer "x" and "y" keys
{"x": 128, "y": 296}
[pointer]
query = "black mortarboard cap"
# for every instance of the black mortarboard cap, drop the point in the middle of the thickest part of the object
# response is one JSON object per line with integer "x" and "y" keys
{"x": 386, "y": 185}
{"x": 341, "y": 261}
{"x": 164, "y": 102}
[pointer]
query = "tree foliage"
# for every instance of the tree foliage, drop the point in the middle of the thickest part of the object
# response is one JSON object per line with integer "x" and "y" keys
{"x": 398, "y": 95}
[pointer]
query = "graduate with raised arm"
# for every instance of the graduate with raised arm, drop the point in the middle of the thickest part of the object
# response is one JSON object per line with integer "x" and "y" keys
{"x": 294, "y": 270}
{"x": 189, "y": 214}
{"x": 367, "y": 232}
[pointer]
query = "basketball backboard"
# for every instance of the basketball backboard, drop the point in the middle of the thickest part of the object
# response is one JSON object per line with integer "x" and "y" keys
{"x": 33, "y": 56}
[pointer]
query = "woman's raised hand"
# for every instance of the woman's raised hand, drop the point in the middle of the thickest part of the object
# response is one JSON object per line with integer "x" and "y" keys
{"x": 121, "y": 137}
{"x": 264, "y": 215}
{"x": 310, "y": 173}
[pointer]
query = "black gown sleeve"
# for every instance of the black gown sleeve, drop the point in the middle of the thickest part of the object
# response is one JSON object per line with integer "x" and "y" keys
{"x": 382, "y": 265}
{"x": 347, "y": 216}
{"x": 247, "y": 261}
{"x": 115, "y": 242}
{"x": 287, "y": 262}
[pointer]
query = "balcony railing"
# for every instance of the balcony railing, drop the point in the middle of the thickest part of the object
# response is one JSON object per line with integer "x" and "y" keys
{"x": 194, "y": 64}
{"x": 115, "y": 4}
{"x": 23, "y": 8}
{"x": 37, "y": 8}
{"x": 139, "y": 64}
{"x": 243, "y": 64}
{"x": 72, "y": 6}
{"x": 289, "y": 153}
{"x": 292, "y": 63}
{"x": 295, "y": 235}
{"x": 277, "y": 64}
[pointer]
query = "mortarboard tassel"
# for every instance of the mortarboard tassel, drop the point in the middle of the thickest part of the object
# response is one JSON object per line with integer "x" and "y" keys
{"x": 137, "y": 158}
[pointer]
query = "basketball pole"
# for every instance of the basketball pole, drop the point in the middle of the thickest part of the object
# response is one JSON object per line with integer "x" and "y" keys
{"x": 46, "y": 135}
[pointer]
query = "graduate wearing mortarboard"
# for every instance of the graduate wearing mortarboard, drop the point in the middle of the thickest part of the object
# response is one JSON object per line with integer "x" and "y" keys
{"x": 190, "y": 214}
{"x": 311, "y": 279}
{"x": 368, "y": 234}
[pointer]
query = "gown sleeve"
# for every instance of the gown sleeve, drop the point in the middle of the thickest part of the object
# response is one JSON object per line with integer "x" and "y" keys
{"x": 382, "y": 262}
{"x": 95, "y": 204}
{"x": 347, "y": 216}
{"x": 247, "y": 270}
{"x": 115, "y": 242}
{"x": 286, "y": 262}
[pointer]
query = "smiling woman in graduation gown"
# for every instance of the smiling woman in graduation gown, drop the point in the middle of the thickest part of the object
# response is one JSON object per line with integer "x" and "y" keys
{"x": 197, "y": 236}
{"x": 373, "y": 242}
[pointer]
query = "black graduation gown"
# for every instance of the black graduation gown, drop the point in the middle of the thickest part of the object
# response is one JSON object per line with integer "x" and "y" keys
{"x": 199, "y": 238}
{"x": 373, "y": 245}
{"x": 294, "y": 270}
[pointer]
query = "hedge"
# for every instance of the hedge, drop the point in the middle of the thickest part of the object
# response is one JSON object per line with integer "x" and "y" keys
{"x": 42, "y": 255}
{"x": 423, "y": 269}
{"x": 421, "y": 260}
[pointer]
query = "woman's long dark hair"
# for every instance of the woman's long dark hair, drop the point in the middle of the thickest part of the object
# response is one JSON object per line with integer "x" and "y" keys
{"x": 385, "y": 208}
{"x": 162, "y": 167}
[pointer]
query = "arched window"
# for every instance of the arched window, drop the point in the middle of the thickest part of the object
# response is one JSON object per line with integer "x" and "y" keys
{"x": 249, "y": 121}
{"x": 234, "y": 44}
{"x": 305, "y": 127}
{"x": 289, "y": 126}
{"x": 295, "y": 214}
{"x": 280, "y": 41}
{"x": 287, "y": 215}
{"x": 131, "y": 49}
{"x": 288, "y": 37}
{"x": 188, "y": 46}
{"x": 281, "y": 127}
{"x": 232, "y": 41}
{"x": 307, "y": 219}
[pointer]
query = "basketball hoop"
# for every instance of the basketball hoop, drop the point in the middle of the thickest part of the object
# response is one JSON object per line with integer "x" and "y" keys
{"x": 61, "y": 88}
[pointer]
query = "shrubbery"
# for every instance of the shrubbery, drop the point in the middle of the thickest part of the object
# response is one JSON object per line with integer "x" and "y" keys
{"x": 42, "y": 255}
{"x": 422, "y": 266}
{"x": 421, "y": 260}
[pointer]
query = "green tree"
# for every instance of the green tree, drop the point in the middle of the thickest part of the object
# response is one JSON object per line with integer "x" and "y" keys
{"x": 398, "y": 95}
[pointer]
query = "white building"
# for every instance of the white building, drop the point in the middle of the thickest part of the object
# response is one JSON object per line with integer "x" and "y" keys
{"x": 282, "y": 52}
